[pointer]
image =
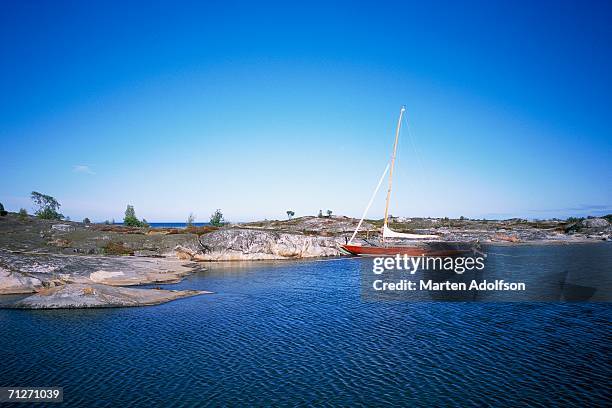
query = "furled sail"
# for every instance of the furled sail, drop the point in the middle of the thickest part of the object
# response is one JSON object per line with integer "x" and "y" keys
{"x": 389, "y": 233}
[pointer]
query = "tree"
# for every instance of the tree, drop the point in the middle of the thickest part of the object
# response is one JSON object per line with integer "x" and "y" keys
{"x": 320, "y": 215}
{"x": 86, "y": 221}
{"x": 2, "y": 211}
{"x": 216, "y": 219}
{"x": 190, "y": 220}
{"x": 290, "y": 214}
{"x": 329, "y": 213}
{"x": 47, "y": 206}
{"x": 130, "y": 219}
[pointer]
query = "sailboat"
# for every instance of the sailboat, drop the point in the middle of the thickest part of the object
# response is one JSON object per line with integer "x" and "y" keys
{"x": 419, "y": 244}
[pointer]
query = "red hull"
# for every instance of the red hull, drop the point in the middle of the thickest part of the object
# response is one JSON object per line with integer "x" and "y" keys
{"x": 402, "y": 250}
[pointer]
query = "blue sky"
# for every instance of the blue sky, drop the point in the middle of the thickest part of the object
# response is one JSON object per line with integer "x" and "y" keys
{"x": 257, "y": 108}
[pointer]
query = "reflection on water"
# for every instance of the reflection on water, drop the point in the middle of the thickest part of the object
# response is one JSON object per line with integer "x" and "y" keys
{"x": 543, "y": 274}
{"x": 299, "y": 333}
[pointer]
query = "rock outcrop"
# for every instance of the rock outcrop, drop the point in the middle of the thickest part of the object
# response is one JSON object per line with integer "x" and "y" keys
{"x": 239, "y": 244}
{"x": 591, "y": 226}
{"x": 77, "y": 295}
{"x": 29, "y": 272}
{"x": 14, "y": 282}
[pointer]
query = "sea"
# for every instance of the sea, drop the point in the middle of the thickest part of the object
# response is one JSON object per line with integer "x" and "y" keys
{"x": 301, "y": 333}
{"x": 176, "y": 224}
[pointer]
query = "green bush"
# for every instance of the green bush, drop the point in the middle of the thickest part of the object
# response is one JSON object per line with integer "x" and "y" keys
{"x": 216, "y": 219}
{"x": 130, "y": 219}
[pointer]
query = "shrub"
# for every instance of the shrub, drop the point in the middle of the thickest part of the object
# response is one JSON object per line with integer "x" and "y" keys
{"x": 47, "y": 206}
{"x": 216, "y": 219}
{"x": 130, "y": 219}
{"x": 117, "y": 248}
{"x": 2, "y": 211}
{"x": 320, "y": 215}
{"x": 22, "y": 214}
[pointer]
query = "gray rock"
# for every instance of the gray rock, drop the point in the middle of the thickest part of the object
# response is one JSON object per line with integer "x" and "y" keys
{"x": 234, "y": 244}
{"x": 12, "y": 282}
{"x": 27, "y": 272}
{"x": 591, "y": 226}
{"x": 95, "y": 296}
{"x": 62, "y": 227}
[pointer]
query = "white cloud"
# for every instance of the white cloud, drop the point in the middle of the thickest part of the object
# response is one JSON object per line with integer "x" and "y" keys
{"x": 82, "y": 168}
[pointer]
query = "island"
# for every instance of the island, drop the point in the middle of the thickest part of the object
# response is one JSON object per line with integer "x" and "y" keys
{"x": 65, "y": 264}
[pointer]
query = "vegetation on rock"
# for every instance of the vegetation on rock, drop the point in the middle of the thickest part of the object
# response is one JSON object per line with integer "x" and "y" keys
{"x": 130, "y": 219}
{"x": 22, "y": 214}
{"x": 117, "y": 248}
{"x": 216, "y": 219}
{"x": 48, "y": 206}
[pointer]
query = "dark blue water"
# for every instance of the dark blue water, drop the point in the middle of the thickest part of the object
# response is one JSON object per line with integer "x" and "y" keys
{"x": 300, "y": 334}
{"x": 176, "y": 224}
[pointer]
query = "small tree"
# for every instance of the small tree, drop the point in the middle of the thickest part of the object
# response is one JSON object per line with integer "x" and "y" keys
{"x": 320, "y": 215}
{"x": 290, "y": 214}
{"x": 130, "y": 219}
{"x": 86, "y": 221}
{"x": 47, "y": 206}
{"x": 23, "y": 214}
{"x": 216, "y": 219}
{"x": 190, "y": 220}
{"x": 329, "y": 213}
{"x": 2, "y": 211}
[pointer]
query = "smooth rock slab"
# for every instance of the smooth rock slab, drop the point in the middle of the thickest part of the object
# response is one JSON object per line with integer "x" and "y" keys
{"x": 77, "y": 295}
{"x": 238, "y": 244}
{"x": 12, "y": 282}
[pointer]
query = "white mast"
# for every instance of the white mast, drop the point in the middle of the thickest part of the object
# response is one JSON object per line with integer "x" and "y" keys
{"x": 397, "y": 131}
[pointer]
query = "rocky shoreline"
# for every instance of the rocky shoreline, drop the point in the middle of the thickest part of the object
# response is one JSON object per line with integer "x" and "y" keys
{"x": 76, "y": 265}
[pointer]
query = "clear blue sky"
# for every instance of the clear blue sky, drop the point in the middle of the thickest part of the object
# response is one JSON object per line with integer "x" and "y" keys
{"x": 257, "y": 108}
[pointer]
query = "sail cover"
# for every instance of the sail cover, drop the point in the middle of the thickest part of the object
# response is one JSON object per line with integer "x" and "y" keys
{"x": 389, "y": 233}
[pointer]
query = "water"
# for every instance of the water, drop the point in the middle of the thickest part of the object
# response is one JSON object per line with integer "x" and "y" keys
{"x": 176, "y": 224}
{"x": 299, "y": 333}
